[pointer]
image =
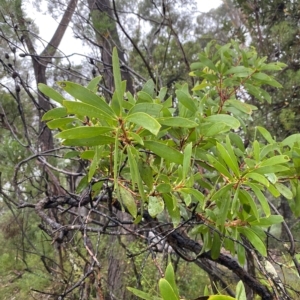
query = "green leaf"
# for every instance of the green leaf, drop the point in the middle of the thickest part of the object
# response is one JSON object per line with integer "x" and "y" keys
{"x": 143, "y": 295}
{"x": 239, "y": 71}
{"x": 266, "y": 134}
{"x": 267, "y": 221}
{"x": 164, "y": 151}
{"x": 51, "y": 93}
{"x": 60, "y": 123}
{"x": 222, "y": 191}
{"x": 155, "y": 206}
{"x": 229, "y": 158}
{"x": 284, "y": 190}
{"x": 177, "y": 122}
{"x": 146, "y": 173}
{"x": 135, "y": 173}
{"x": 145, "y": 121}
{"x": 94, "y": 164}
{"x": 84, "y": 109}
{"x": 220, "y": 297}
{"x": 241, "y": 106}
{"x": 275, "y": 160}
{"x": 240, "y": 291}
{"x": 148, "y": 87}
{"x": 172, "y": 208}
{"x": 86, "y": 96}
{"x": 207, "y": 62}
{"x": 128, "y": 200}
{"x": 83, "y": 132}
{"x": 255, "y": 240}
{"x": 256, "y": 151}
{"x": 227, "y": 120}
{"x": 219, "y": 166}
{"x": 89, "y": 142}
{"x": 93, "y": 84}
{"x": 55, "y": 113}
{"x": 197, "y": 194}
{"x": 170, "y": 277}
{"x": 187, "y": 155}
{"x": 296, "y": 208}
{"x": 266, "y": 79}
{"x": 246, "y": 198}
{"x": 186, "y": 100}
{"x": 216, "y": 246}
{"x": 144, "y": 97}
{"x": 166, "y": 290}
{"x": 291, "y": 140}
{"x": 117, "y": 78}
{"x": 151, "y": 109}
{"x": 164, "y": 188}
{"x": 261, "y": 198}
{"x": 257, "y": 177}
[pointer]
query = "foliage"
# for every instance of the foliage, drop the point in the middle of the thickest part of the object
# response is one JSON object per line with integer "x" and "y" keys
{"x": 183, "y": 158}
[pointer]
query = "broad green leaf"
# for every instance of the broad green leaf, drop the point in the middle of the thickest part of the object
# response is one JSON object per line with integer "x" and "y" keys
{"x": 145, "y": 121}
{"x": 229, "y": 158}
{"x": 241, "y": 254}
{"x": 88, "y": 154}
{"x": 148, "y": 87}
{"x": 275, "y": 160}
{"x": 170, "y": 277}
{"x": 144, "y": 97}
{"x": 246, "y": 198}
{"x": 276, "y": 66}
{"x": 267, "y": 221}
{"x": 83, "y": 132}
{"x": 240, "y": 293}
{"x": 207, "y": 62}
{"x": 261, "y": 198}
{"x": 256, "y": 151}
{"x": 257, "y": 243}
{"x": 83, "y": 183}
{"x": 284, "y": 190}
{"x": 89, "y": 142}
{"x": 187, "y": 155}
{"x": 272, "y": 189}
{"x": 291, "y": 140}
{"x": 93, "y": 84}
{"x": 135, "y": 173}
{"x": 51, "y": 93}
{"x": 128, "y": 200}
{"x": 186, "y": 100}
{"x": 239, "y": 71}
{"x": 172, "y": 208}
{"x": 143, "y": 295}
{"x": 267, "y": 149}
{"x": 151, "y": 109}
{"x": 216, "y": 246}
{"x": 236, "y": 140}
{"x": 117, "y": 77}
{"x": 219, "y": 166}
{"x": 86, "y": 96}
{"x": 197, "y": 194}
{"x": 296, "y": 208}
{"x": 72, "y": 154}
{"x": 94, "y": 164}
{"x": 146, "y": 173}
{"x": 258, "y": 177}
{"x": 228, "y": 120}
{"x": 137, "y": 138}
{"x": 164, "y": 188}
{"x": 266, "y": 79}
{"x": 84, "y": 109}
{"x": 60, "y": 123}
{"x": 155, "y": 206}
{"x": 222, "y": 191}
{"x": 177, "y": 122}
{"x": 166, "y": 290}
{"x": 266, "y": 134}
{"x": 55, "y": 113}
{"x": 271, "y": 169}
{"x": 164, "y": 151}
{"x": 162, "y": 94}
{"x": 243, "y": 107}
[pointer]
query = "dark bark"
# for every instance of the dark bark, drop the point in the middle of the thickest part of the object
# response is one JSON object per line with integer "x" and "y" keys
{"x": 107, "y": 37}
